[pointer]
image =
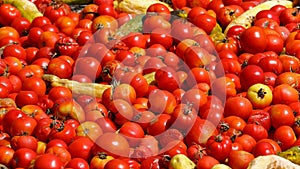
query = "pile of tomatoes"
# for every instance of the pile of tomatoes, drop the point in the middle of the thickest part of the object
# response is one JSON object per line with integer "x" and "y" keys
{"x": 216, "y": 101}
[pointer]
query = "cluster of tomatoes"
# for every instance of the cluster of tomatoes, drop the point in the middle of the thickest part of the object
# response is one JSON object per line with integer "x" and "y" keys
{"x": 225, "y": 100}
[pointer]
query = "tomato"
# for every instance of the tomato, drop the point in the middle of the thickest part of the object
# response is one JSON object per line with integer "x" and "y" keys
{"x": 65, "y": 24}
{"x": 135, "y": 40}
{"x": 133, "y": 132}
{"x": 88, "y": 66}
{"x": 227, "y": 13}
{"x": 263, "y": 148}
{"x": 53, "y": 12}
{"x": 196, "y": 56}
{"x": 107, "y": 9}
{"x": 8, "y": 14}
{"x": 251, "y": 75}
{"x": 166, "y": 100}
{"x": 256, "y": 34}
{"x": 281, "y": 115}
{"x": 48, "y": 161}
{"x": 219, "y": 147}
{"x": 113, "y": 144}
{"x": 244, "y": 110}
{"x": 207, "y": 20}
{"x": 156, "y": 22}
{"x": 81, "y": 148}
{"x": 159, "y": 124}
{"x": 246, "y": 141}
{"x": 26, "y": 97}
{"x": 181, "y": 30}
{"x": 7, "y": 31}
{"x": 161, "y": 36}
{"x": 40, "y": 21}
{"x": 60, "y": 68}
{"x": 167, "y": 79}
{"x": 116, "y": 164}
{"x": 183, "y": 117}
{"x": 223, "y": 87}
{"x": 239, "y": 159}
{"x": 104, "y": 21}
{"x": 77, "y": 163}
{"x": 23, "y": 157}
{"x": 200, "y": 132}
{"x": 7, "y": 154}
{"x": 285, "y": 137}
{"x": 285, "y": 94}
{"x": 61, "y": 152}
{"x": 100, "y": 160}
{"x": 257, "y": 131}
{"x": 260, "y": 95}
{"x": 207, "y": 162}
{"x": 18, "y": 142}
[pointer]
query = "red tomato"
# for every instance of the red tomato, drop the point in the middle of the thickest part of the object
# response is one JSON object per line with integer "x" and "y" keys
{"x": 207, "y": 162}
{"x": 239, "y": 159}
{"x": 281, "y": 115}
{"x": 60, "y": 68}
{"x": 116, "y": 164}
{"x": 238, "y": 106}
{"x": 8, "y": 14}
{"x": 256, "y": 34}
{"x": 263, "y": 148}
{"x": 285, "y": 136}
{"x": 48, "y": 161}
{"x": 285, "y": 94}
{"x": 219, "y": 146}
{"x": 77, "y": 163}
{"x": 133, "y": 132}
{"x": 257, "y": 131}
{"x": 246, "y": 141}
{"x": 23, "y": 157}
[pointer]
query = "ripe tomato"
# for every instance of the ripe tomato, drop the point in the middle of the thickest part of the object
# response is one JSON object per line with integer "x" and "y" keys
{"x": 257, "y": 131}
{"x": 25, "y": 98}
{"x": 7, "y": 154}
{"x": 281, "y": 115}
{"x": 104, "y": 21}
{"x": 285, "y": 137}
{"x": 133, "y": 132}
{"x": 61, "y": 152}
{"x": 207, "y": 162}
{"x": 60, "y": 68}
{"x": 113, "y": 144}
{"x": 219, "y": 146}
{"x": 252, "y": 34}
{"x": 116, "y": 164}
{"x": 200, "y": 132}
{"x": 78, "y": 163}
{"x": 246, "y": 141}
{"x": 159, "y": 124}
{"x": 81, "y": 148}
{"x": 23, "y": 157}
{"x": 263, "y": 148}
{"x": 88, "y": 66}
{"x": 251, "y": 75}
{"x": 160, "y": 9}
{"x": 48, "y": 160}
{"x": 161, "y": 101}
{"x": 285, "y": 94}
{"x": 238, "y": 106}
{"x": 65, "y": 24}
{"x": 18, "y": 142}
{"x": 240, "y": 159}
{"x": 53, "y": 12}
{"x": 8, "y": 14}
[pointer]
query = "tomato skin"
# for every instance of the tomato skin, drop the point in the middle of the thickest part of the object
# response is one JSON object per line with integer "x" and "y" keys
{"x": 263, "y": 148}
{"x": 285, "y": 136}
{"x": 251, "y": 75}
{"x": 256, "y": 34}
{"x": 281, "y": 115}
{"x": 239, "y": 159}
{"x": 207, "y": 162}
{"x": 60, "y": 68}
{"x": 246, "y": 141}
{"x": 244, "y": 110}
{"x": 48, "y": 161}
{"x": 77, "y": 163}
{"x": 285, "y": 94}
{"x": 219, "y": 147}
{"x": 23, "y": 157}
{"x": 8, "y": 14}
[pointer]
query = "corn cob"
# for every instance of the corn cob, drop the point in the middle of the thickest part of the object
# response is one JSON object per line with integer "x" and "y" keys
{"x": 92, "y": 89}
